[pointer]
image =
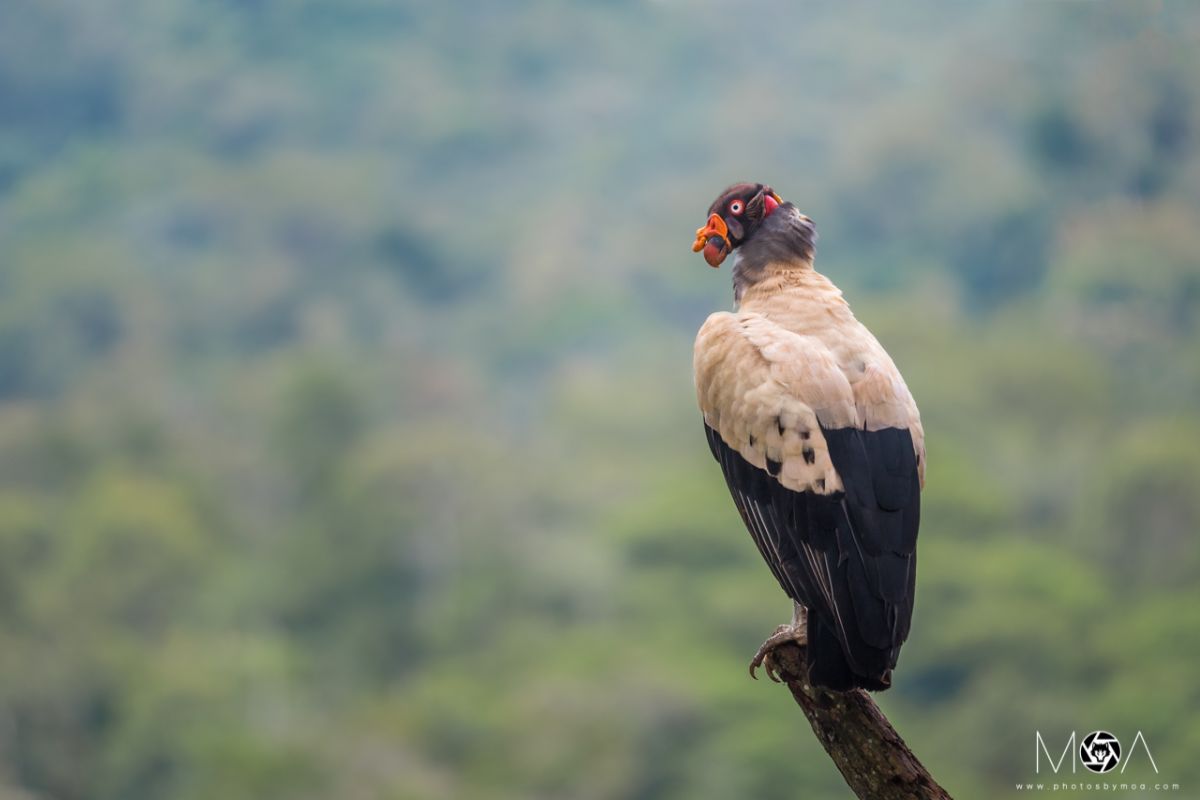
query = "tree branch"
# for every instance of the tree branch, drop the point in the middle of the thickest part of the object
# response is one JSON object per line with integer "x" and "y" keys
{"x": 871, "y": 756}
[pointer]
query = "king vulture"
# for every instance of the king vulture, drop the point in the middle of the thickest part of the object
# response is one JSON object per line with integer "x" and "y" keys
{"x": 819, "y": 440}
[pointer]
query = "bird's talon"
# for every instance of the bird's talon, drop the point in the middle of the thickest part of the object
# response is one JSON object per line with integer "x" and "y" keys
{"x": 782, "y": 634}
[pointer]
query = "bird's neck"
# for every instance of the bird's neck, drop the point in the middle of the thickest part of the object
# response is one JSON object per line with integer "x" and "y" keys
{"x": 784, "y": 242}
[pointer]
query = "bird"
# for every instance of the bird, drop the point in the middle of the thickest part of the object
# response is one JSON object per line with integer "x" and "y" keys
{"x": 819, "y": 440}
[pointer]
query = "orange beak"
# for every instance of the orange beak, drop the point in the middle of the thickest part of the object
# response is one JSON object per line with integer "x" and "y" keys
{"x": 713, "y": 239}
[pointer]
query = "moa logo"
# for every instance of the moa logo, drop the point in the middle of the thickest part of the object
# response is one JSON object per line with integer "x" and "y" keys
{"x": 1099, "y": 751}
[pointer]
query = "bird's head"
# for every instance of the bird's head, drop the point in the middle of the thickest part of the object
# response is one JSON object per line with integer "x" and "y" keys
{"x": 733, "y": 218}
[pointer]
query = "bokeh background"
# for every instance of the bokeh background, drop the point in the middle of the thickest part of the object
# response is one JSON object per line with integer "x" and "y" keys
{"x": 348, "y": 445}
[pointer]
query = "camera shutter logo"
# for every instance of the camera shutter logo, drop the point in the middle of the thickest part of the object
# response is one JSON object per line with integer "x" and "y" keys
{"x": 1100, "y": 751}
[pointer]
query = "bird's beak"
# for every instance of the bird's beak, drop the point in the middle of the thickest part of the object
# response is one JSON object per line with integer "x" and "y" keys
{"x": 713, "y": 239}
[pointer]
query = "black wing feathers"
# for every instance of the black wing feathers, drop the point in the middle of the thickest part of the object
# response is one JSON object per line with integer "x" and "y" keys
{"x": 883, "y": 503}
{"x": 849, "y": 557}
{"x": 735, "y": 468}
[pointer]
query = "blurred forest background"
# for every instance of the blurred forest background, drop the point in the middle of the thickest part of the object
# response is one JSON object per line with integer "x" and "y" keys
{"x": 347, "y": 436}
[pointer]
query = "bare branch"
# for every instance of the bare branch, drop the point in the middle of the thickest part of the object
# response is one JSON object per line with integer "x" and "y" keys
{"x": 871, "y": 756}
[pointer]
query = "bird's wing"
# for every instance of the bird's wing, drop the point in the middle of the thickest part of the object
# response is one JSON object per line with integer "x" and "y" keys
{"x": 832, "y": 505}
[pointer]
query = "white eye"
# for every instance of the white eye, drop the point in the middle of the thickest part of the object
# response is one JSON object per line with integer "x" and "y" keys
{"x": 736, "y": 207}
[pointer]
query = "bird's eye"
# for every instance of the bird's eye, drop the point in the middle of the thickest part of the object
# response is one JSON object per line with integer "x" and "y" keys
{"x": 736, "y": 207}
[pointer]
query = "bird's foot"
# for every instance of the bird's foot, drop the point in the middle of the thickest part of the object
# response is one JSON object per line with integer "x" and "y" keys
{"x": 783, "y": 634}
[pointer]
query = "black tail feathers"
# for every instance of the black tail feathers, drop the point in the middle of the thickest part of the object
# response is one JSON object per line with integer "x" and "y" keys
{"x": 827, "y": 664}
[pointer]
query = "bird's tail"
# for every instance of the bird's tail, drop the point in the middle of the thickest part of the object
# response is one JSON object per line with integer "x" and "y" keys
{"x": 827, "y": 664}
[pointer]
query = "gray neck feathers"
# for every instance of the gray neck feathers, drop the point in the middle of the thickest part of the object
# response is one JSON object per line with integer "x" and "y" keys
{"x": 785, "y": 238}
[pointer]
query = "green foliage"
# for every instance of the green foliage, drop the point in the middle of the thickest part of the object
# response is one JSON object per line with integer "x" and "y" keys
{"x": 347, "y": 438}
